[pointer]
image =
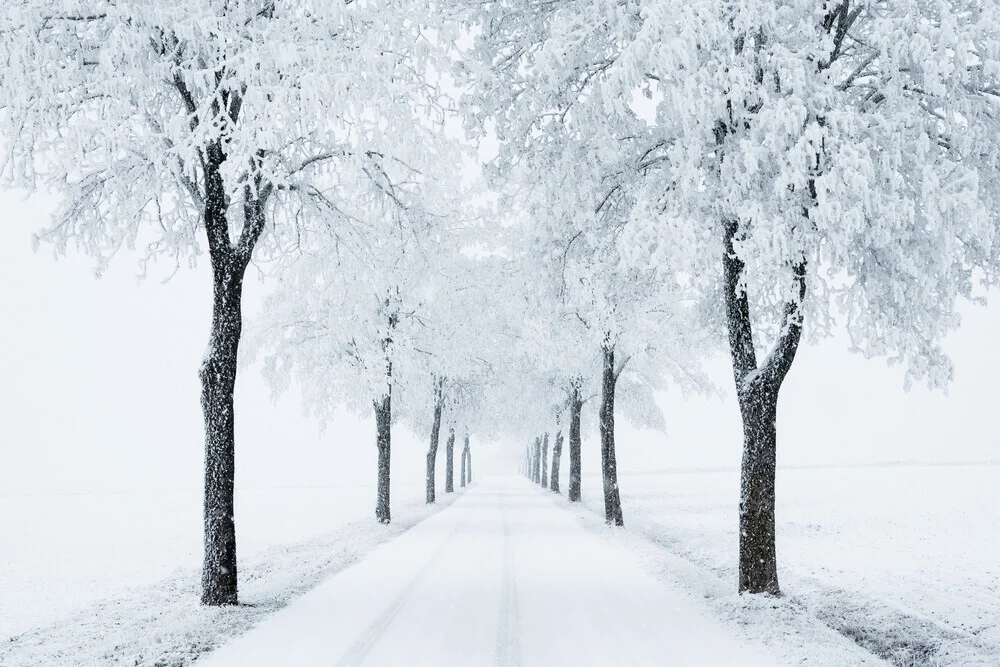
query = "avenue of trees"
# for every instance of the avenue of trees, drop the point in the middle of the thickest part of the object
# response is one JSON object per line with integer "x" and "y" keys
{"x": 518, "y": 220}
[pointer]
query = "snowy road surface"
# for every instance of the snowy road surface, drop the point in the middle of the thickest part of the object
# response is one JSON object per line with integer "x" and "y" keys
{"x": 503, "y": 577}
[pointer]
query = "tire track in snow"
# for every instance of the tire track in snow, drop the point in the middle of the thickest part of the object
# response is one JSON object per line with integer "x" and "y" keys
{"x": 508, "y": 649}
{"x": 358, "y": 651}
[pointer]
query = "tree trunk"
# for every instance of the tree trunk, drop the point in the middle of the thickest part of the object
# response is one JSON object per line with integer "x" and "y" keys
{"x": 218, "y": 377}
{"x": 556, "y": 455}
{"x": 469, "y": 457}
{"x": 575, "y": 407}
{"x": 609, "y": 466}
{"x": 218, "y": 381}
{"x": 383, "y": 421}
{"x": 758, "y": 554}
{"x": 536, "y": 470}
{"x": 545, "y": 461}
{"x": 435, "y": 436}
{"x": 757, "y": 391}
{"x": 449, "y": 462}
{"x": 465, "y": 461}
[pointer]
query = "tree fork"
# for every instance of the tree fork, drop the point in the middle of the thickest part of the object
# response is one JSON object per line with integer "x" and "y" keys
{"x": 219, "y": 583}
{"x": 757, "y": 390}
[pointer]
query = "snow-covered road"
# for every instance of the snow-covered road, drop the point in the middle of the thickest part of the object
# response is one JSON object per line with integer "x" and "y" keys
{"x": 503, "y": 577}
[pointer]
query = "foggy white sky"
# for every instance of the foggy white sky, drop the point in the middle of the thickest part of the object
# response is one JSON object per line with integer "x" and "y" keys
{"x": 100, "y": 391}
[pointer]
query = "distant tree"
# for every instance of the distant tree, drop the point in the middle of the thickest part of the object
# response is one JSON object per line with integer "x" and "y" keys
{"x": 631, "y": 326}
{"x": 454, "y": 330}
{"x": 346, "y": 317}
{"x": 572, "y": 158}
{"x": 349, "y": 317}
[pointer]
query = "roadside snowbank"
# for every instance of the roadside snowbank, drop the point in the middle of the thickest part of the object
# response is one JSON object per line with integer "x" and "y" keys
{"x": 899, "y": 561}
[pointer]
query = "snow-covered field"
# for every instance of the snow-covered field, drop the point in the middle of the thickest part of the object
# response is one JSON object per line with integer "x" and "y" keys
{"x": 900, "y": 558}
{"x": 67, "y": 553}
{"x": 905, "y": 559}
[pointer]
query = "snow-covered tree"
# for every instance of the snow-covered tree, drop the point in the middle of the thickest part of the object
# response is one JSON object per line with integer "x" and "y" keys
{"x": 572, "y": 293}
{"x": 243, "y": 118}
{"x": 347, "y": 317}
{"x": 531, "y": 351}
{"x": 455, "y": 336}
{"x": 843, "y": 153}
{"x": 571, "y": 170}
{"x": 839, "y": 151}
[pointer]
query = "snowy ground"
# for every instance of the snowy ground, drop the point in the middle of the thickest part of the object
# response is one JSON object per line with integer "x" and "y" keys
{"x": 65, "y": 551}
{"x": 897, "y": 561}
{"x": 114, "y": 580}
{"x": 503, "y": 577}
{"x": 904, "y": 559}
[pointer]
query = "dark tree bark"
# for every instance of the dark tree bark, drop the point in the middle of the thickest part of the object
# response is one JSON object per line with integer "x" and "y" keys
{"x": 218, "y": 369}
{"x": 465, "y": 461}
{"x": 556, "y": 456}
{"x": 536, "y": 469}
{"x": 468, "y": 456}
{"x": 609, "y": 465}
{"x": 449, "y": 462}
{"x": 435, "y": 436}
{"x": 383, "y": 421}
{"x": 757, "y": 391}
{"x": 575, "y": 407}
{"x": 545, "y": 461}
{"x": 218, "y": 380}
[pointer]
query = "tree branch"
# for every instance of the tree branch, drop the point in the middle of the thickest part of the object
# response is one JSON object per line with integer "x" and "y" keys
{"x": 780, "y": 360}
{"x": 737, "y": 308}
